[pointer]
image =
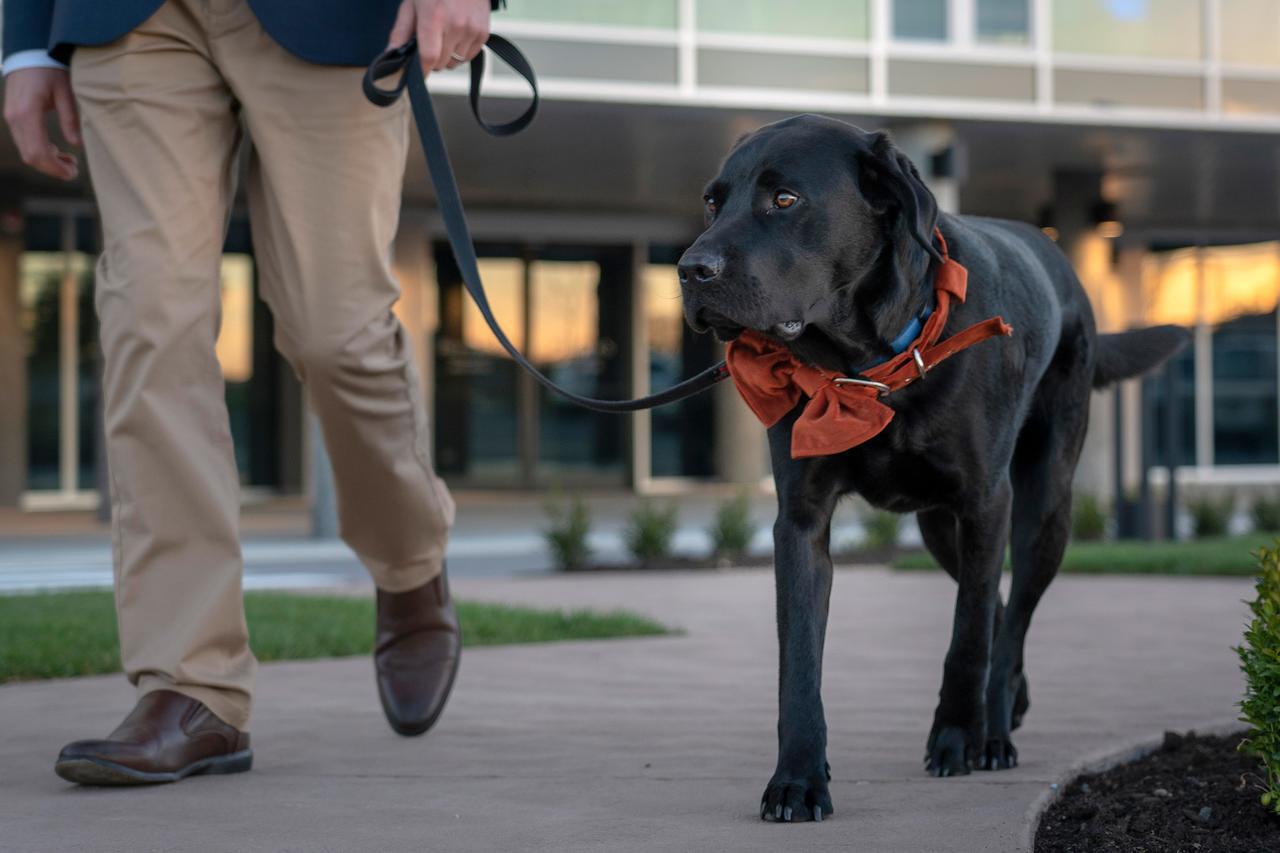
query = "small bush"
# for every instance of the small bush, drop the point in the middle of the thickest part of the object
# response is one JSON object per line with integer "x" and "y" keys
{"x": 651, "y": 530}
{"x": 1211, "y": 517}
{"x": 732, "y": 532}
{"x": 881, "y": 530}
{"x": 1266, "y": 515}
{"x": 1260, "y": 660}
{"x": 1088, "y": 519}
{"x": 567, "y": 535}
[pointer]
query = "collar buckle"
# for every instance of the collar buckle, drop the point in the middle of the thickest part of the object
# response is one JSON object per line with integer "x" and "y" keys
{"x": 920, "y": 368}
{"x": 864, "y": 383}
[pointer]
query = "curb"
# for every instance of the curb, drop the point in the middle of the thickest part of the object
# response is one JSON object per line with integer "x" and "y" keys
{"x": 1101, "y": 760}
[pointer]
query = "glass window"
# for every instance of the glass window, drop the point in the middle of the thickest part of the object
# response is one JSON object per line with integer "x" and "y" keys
{"x": 1180, "y": 373}
{"x": 920, "y": 19}
{"x": 1251, "y": 31}
{"x": 1165, "y": 29}
{"x": 55, "y": 294}
{"x": 1245, "y": 428}
{"x": 682, "y": 434}
{"x": 476, "y": 383}
{"x": 846, "y": 19}
{"x": 768, "y": 70}
{"x": 626, "y": 13}
{"x": 576, "y": 340}
{"x": 41, "y": 282}
{"x": 1003, "y": 21}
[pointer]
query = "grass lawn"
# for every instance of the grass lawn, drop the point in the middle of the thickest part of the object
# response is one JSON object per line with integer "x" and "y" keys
{"x": 1226, "y": 556}
{"x": 62, "y": 634}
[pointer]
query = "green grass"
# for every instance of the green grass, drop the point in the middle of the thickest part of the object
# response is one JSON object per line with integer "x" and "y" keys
{"x": 1223, "y": 556}
{"x": 63, "y": 634}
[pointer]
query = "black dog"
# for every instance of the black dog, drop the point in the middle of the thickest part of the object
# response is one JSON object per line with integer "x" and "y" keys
{"x": 820, "y": 236}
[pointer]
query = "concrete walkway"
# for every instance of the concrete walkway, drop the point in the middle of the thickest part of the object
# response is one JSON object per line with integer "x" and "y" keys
{"x": 648, "y": 745}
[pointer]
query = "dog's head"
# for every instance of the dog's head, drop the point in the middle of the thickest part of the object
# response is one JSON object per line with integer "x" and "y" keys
{"x": 814, "y": 230}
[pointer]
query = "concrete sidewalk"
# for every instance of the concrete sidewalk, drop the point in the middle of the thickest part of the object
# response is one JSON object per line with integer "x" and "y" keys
{"x": 656, "y": 744}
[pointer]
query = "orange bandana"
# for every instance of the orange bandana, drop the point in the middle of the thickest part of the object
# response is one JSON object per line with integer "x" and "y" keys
{"x": 844, "y": 412}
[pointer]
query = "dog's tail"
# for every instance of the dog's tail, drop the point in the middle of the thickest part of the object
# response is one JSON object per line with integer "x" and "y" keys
{"x": 1133, "y": 353}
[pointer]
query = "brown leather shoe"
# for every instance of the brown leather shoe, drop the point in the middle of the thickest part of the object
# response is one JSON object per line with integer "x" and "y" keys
{"x": 417, "y": 653}
{"x": 166, "y": 737}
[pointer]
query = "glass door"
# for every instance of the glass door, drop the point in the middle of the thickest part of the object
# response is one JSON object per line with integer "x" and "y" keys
{"x": 567, "y": 309}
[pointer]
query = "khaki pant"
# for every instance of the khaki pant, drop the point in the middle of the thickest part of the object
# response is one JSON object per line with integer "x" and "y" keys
{"x": 164, "y": 110}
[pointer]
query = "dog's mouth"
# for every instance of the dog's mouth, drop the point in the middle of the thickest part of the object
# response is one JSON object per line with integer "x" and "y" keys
{"x": 719, "y": 325}
{"x": 726, "y": 329}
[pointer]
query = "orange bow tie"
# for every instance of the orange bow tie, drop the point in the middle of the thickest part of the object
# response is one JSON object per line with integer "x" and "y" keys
{"x": 843, "y": 412}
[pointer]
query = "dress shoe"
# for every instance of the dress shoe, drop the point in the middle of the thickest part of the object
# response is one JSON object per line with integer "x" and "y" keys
{"x": 417, "y": 653}
{"x": 166, "y": 737}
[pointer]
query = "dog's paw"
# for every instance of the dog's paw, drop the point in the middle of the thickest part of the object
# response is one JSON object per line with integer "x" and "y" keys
{"x": 948, "y": 753}
{"x": 998, "y": 754}
{"x": 794, "y": 800}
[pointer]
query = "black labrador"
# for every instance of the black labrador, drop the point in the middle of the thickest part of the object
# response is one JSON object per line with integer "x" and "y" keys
{"x": 819, "y": 235}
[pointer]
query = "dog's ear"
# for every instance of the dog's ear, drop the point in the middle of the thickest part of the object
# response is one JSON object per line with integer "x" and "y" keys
{"x": 889, "y": 179}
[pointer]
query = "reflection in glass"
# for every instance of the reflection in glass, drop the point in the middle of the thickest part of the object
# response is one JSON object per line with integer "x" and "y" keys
{"x": 650, "y": 13}
{"x": 578, "y": 322}
{"x": 234, "y": 349}
{"x": 681, "y": 434}
{"x": 1003, "y": 21}
{"x": 846, "y": 19}
{"x": 1245, "y": 428}
{"x": 476, "y": 402}
{"x": 1155, "y": 388}
{"x": 1166, "y": 29}
{"x": 39, "y": 293}
{"x": 1250, "y": 31}
{"x": 920, "y": 19}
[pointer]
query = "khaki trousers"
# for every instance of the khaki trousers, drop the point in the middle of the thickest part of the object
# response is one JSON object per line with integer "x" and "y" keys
{"x": 164, "y": 110}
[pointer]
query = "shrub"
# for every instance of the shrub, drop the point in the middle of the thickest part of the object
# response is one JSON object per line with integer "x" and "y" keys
{"x": 1088, "y": 519}
{"x": 732, "y": 532}
{"x": 651, "y": 530}
{"x": 881, "y": 530}
{"x": 1260, "y": 660}
{"x": 1211, "y": 517}
{"x": 1266, "y": 514}
{"x": 567, "y": 535}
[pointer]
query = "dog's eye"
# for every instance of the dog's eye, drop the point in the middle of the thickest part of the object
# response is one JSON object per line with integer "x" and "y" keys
{"x": 710, "y": 203}
{"x": 783, "y": 199}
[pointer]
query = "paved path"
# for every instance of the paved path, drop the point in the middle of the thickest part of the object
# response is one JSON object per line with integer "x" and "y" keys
{"x": 660, "y": 744}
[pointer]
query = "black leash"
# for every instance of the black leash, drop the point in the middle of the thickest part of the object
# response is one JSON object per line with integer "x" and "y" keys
{"x": 404, "y": 59}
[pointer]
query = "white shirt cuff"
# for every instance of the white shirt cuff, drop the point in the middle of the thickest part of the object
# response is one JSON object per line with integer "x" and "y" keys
{"x": 30, "y": 59}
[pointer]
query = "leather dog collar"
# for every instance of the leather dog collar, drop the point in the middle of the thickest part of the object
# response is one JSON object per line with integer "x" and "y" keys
{"x": 842, "y": 411}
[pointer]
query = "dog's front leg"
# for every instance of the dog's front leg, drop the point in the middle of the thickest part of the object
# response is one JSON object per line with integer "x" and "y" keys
{"x": 802, "y": 569}
{"x": 959, "y": 723}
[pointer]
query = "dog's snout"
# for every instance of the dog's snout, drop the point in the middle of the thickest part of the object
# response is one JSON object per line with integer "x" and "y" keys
{"x": 700, "y": 267}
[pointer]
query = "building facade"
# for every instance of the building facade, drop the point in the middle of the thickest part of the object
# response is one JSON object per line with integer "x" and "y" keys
{"x": 1140, "y": 133}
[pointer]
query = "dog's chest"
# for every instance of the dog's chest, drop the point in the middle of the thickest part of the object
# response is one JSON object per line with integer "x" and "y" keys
{"x": 898, "y": 478}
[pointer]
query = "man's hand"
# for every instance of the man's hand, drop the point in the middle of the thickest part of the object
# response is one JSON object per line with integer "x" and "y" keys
{"x": 29, "y": 95}
{"x": 449, "y": 32}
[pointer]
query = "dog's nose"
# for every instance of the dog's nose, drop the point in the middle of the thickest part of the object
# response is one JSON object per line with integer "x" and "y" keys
{"x": 701, "y": 267}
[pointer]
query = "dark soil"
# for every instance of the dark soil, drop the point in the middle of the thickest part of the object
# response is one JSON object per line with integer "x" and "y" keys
{"x": 1193, "y": 794}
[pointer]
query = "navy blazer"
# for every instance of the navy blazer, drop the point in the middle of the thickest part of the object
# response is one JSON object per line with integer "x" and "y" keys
{"x": 331, "y": 32}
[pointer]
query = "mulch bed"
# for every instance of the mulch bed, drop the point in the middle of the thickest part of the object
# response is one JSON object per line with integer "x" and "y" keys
{"x": 1193, "y": 794}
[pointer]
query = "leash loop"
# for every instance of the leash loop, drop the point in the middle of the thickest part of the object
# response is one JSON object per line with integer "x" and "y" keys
{"x": 404, "y": 59}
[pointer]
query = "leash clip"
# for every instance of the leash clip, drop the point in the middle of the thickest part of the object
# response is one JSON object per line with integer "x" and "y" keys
{"x": 865, "y": 383}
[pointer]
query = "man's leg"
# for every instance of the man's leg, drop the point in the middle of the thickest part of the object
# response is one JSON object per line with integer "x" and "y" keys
{"x": 161, "y": 135}
{"x": 324, "y": 193}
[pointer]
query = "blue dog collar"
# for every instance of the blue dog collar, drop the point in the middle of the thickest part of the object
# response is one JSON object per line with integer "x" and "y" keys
{"x": 904, "y": 339}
